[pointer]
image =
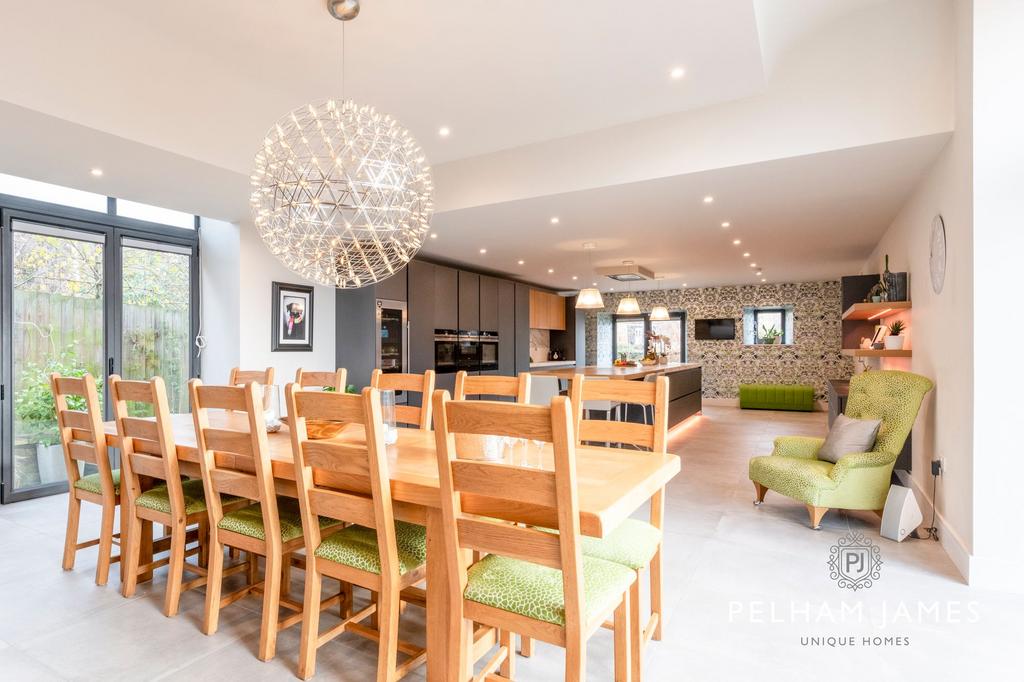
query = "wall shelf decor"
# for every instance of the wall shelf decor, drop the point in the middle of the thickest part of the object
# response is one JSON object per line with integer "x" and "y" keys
{"x": 872, "y": 353}
{"x": 875, "y": 311}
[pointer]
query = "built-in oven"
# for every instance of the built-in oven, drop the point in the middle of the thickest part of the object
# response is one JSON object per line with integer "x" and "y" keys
{"x": 467, "y": 351}
{"x": 446, "y": 343}
{"x": 488, "y": 351}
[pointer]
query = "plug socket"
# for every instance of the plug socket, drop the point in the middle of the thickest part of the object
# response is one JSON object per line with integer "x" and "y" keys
{"x": 936, "y": 467}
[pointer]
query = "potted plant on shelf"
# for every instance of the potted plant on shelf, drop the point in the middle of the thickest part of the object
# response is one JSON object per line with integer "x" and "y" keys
{"x": 894, "y": 341}
{"x": 770, "y": 335}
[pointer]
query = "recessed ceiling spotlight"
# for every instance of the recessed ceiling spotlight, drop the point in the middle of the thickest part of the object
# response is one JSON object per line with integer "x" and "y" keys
{"x": 96, "y": 172}
{"x": 554, "y": 220}
{"x": 763, "y": 279}
{"x": 593, "y": 284}
{"x": 444, "y": 131}
{"x": 758, "y": 273}
{"x": 677, "y": 72}
{"x": 521, "y": 261}
{"x": 709, "y": 199}
{"x": 483, "y": 250}
{"x": 736, "y": 242}
{"x": 433, "y": 235}
{"x": 685, "y": 284}
{"x": 550, "y": 270}
{"x": 726, "y": 224}
{"x": 753, "y": 265}
{"x": 746, "y": 254}
{"x": 574, "y": 277}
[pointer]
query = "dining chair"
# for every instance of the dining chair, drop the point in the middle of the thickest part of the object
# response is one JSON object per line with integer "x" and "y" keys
{"x": 80, "y": 424}
{"x": 517, "y": 387}
{"x": 243, "y": 376}
{"x": 148, "y": 453}
{"x": 271, "y": 528}
{"x": 530, "y": 581}
{"x": 416, "y": 383}
{"x": 635, "y": 544}
{"x": 349, "y": 482}
{"x": 335, "y": 380}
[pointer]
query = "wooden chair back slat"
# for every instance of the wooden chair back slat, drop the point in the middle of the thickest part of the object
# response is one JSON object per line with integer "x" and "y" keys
{"x": 137, "y": 427}
{"x": 319, "y": 461}
{"x": 244, "y": 376}
{"x": 500, "y": 419}
{"x": 235, "y": 483}
{"x": 71, "y": 385}
{"x": 336, "y": 379}
{"x": 526, "y": 544}
{"x": 517, "y": 387}
{"x": 655, "y": 393}
{"x": 147, "y": 445}
{"x": 248, "y": 473}
{"x": 336, "y": 504}
{"x": 81, "y": 451}
{"x": 76, "y": 419}
{"x": 514, "y": 483}
{"x": 416, "y": 383}
{"x": 521, "y": 495}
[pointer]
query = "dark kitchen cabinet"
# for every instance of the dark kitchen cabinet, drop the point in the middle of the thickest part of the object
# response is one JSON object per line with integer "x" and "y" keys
{"x": 446, "y": 298}
{"x": 421, "y": 316}
{"x": 469, "y": 300}
{"x": 506, "y": 326}
{"x": 394, "y": 288}
{"x": 522, "y": 325}
{"x": 488, "y": 303}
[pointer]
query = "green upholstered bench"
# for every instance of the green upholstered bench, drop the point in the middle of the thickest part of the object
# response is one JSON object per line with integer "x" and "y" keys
{"x": 777, "y": 397}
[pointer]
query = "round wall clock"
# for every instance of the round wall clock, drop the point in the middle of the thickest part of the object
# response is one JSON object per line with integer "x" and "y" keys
{"x": 937, "y": 258}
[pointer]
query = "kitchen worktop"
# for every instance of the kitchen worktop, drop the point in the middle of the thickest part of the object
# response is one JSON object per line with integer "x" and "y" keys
{"x": 553, "y": 363}
{"x": 615, "y": 372}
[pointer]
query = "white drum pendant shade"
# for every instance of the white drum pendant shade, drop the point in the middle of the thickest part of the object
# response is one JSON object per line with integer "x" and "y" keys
{"x": 342, "y": 194}
{"x": 659, "y": 312}
{"x": 628, "y": 306}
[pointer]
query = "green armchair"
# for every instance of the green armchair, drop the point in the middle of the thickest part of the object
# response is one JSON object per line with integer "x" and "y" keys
{"x": 859, "y": 480}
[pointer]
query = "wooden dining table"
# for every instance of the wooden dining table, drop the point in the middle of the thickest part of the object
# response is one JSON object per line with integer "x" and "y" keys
{"x": 612, "y": 484}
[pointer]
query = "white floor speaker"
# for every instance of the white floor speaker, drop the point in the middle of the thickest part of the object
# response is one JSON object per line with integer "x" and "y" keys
{"x": 901, "y": 516}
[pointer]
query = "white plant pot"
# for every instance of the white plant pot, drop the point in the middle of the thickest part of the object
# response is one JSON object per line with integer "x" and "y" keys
{"x": 894, "y": 343}
{"x": 51, "y": 463}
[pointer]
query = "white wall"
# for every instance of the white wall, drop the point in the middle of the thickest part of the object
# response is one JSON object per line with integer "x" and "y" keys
{"x": 941, "y": 331}
{"x": 259, "y": 268}
{"x": 998, "y": 248}
{"x": 220, "y": 271}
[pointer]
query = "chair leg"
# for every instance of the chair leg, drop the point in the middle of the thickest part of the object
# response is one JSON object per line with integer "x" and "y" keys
{"x": 525, "y": 646}
{"x": 761, "y": 492}
{"x": 816, "y": 514}
{"x": 576, "y": 659}
{"x": 214, "y": 578}
{"x": 271, "y": 605}
{"x": 286, "y": 576}
{"x": 130, "y": 549}
{"x": 106, "y": 542}
{"x": 310, "y": 622}
{"x": 507, "y": 639}
{"x": 345, "y": 606}
{"x": 204, "y": 543}
{"x": 175, "y": 569}
{"x": 387, "y": 646}
{"x": 375, "y": 616}
{"x": 636, "y": 631}
{"x": 623, "y": 639}
{"x": 656, "y": 594}
{"x": 71, "y": 534}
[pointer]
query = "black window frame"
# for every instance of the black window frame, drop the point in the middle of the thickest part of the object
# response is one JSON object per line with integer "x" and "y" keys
{"x": 646, "y": 317}
{"x": 783, "y": 314}
{"x": 114, "y": 228}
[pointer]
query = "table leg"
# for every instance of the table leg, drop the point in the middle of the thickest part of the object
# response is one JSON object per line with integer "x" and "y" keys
{"x": 439, "y": 617}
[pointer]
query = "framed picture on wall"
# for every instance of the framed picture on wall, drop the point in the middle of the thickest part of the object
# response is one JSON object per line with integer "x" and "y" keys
{"x": 291, "y": 319}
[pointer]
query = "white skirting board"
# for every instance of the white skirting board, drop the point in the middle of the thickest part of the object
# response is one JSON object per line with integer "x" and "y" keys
{"x": 948, "y": 538}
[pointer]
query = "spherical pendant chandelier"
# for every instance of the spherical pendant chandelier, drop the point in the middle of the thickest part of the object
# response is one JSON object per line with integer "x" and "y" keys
{"x": 342, "y": 194}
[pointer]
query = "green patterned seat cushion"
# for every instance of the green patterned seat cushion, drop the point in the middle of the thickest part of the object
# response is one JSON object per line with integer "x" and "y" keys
{"x": 535, "y": 591}
{"x": 249, "y": 520}
{"x": 156, "y": 498}
{"x": 356, "y": 546}
{"x": 632, "y": 544}
{"x": 797, "y": 477}
{"x": 91, "y": 483}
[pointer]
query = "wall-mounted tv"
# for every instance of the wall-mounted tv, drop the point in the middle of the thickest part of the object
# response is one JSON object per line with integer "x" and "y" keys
{"x": 714, "y": 330}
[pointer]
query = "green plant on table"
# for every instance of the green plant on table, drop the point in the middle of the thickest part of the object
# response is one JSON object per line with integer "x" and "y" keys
{"x": 769, "y": 334}
{"x": 896, "y": 328}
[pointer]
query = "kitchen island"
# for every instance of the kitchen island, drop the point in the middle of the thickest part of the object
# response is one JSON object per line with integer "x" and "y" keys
{"x": 684, "y": 384}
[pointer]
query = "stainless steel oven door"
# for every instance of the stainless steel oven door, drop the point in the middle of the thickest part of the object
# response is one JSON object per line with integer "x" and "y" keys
{"x": 488, "y": 355}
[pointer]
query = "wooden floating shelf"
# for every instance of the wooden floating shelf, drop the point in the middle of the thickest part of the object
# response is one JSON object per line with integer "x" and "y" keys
{"x": 875, "y": 311}
{"x": 872, "y": 353}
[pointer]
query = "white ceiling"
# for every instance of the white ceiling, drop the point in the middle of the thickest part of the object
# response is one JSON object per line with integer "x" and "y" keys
{"x": 208, "y": 79}
{"x": 802, "y": 219}
{"x": 808, "y": 120}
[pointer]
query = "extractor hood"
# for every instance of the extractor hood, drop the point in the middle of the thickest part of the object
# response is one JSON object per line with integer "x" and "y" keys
{"x": 627, "y": 272}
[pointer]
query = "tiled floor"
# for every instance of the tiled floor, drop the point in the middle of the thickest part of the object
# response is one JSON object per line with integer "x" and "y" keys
{"x": 744, "y": 585}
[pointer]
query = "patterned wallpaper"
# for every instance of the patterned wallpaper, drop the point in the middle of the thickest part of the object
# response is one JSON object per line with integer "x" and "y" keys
{"x": 813, "y": 358}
